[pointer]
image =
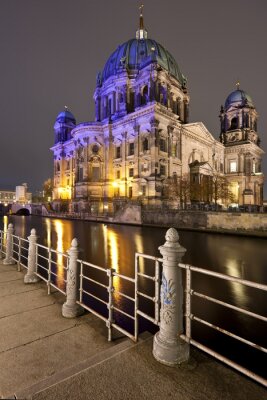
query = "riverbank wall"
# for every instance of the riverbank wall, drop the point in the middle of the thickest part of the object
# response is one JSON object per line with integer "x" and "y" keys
{"x": 224, "y": 222}
{"x": 249, "y": 224}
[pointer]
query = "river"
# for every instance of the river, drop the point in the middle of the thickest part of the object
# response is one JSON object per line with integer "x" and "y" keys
{"x": 111, "y": 245}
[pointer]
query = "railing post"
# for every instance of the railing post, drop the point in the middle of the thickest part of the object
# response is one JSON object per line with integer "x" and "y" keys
{"x": 168, "y": 348}
{"x": 19, "y": 255}
{"x": 9, "y": 246}
{"x": 110, "y": 303}
{"x": 31, "y": 276}
{"x": 70, "y": 308}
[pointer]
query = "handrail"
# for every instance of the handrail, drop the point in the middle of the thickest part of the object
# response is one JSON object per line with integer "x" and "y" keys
{"x": 187, "y": 336}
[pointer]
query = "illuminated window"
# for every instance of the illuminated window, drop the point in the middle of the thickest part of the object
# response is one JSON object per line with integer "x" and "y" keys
{"x": 233, "y": 166}
{"x": 254, "y": 167}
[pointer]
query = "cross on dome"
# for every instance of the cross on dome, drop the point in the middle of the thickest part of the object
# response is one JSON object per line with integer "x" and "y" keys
{"x": 141, "y": 33}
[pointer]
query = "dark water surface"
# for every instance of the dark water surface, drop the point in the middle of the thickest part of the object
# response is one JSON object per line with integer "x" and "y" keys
{"x": 244, "y": 257}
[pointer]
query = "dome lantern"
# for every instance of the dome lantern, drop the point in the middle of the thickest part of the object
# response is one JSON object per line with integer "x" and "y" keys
{"x": 141, "y": 33}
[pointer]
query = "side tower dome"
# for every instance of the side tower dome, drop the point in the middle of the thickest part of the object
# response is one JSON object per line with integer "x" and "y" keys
{"x": 140, "y": 71}
{"x": 242, "y": 155}
{"x": 64, "y": 124}
{"x": 238, "y": 119}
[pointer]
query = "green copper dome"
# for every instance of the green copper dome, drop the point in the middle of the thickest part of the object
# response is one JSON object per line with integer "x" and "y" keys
{"x": 136, "y": 54}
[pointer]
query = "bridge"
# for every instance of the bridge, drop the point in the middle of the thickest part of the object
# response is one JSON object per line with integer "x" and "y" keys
{"x": 28, "y": 209}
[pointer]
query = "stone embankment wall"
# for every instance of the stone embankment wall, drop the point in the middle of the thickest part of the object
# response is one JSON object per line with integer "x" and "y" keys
{"x": 217, "y": 221}
{"x": 128, "y": 214}
{"x": 180, "y": 219}
{"x": 237, "y": 221}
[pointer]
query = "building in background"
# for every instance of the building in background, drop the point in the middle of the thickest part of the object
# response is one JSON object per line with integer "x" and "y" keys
{"x": 142, "y": 145}
{"x": 20, "y": 195}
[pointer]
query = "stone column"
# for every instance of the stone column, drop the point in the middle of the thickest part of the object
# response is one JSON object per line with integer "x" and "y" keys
{"x": 186, "y": 111}
{"x": 70, "y": 308}
{"x": 31, "y": 276}
{"x": 9, "y": 246}
{"x": 168, "y": 348}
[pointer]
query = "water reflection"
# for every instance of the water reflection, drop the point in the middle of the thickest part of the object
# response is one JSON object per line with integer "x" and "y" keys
{"x": 58, "y": 237}
{"x": 238, "y": 290}
{"x": 140, "y": 249}
{"x": 112, "y": 243}
{"x": 48, "y": 232}
{"x": 5, "y": 220}
{"x": 60, "y": 260}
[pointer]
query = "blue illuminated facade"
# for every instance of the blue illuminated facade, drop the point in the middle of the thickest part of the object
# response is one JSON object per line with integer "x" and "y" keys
{"x": 141, "y": 136}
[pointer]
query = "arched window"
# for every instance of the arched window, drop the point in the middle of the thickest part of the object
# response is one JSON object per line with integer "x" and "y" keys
{"x": 144, "y": 98}
{"x": 234, "y": 123}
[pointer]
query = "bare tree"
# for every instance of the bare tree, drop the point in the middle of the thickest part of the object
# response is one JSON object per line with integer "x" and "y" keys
{"x": 47, "y": 189}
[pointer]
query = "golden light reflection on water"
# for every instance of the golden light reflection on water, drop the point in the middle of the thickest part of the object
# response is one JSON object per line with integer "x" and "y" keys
{"x": 63, "y": 232}
{"x": 112, "y": 246}
{"x": 60, "y": 262}
{"x": 48, "y": 232}
{"x": 233, "y": 268}
{"x": 5, "y": 228}
{"x": 5, "y": 222}
{"x": 138, "y": 240}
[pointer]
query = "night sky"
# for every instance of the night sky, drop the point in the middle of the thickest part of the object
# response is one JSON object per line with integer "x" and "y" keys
{"x": 51, "y": 51}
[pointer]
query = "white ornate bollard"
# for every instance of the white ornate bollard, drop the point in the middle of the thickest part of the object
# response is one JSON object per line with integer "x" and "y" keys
{"x": 8, "y": 260}
{"x": 70, "y": 308}
{"x": 168, "y": 348}
{"x": 31, "y": 276}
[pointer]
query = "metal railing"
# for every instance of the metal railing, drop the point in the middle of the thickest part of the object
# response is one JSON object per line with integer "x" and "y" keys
{"x": 189, "y": 292}
{"x": 157, "y": 281}
{"x": 3, "y": 235}
{"x": 101, "y": 291}
{"x": 20, "y": 251}
{"x": 114, "y": 292}
{"x": 52, "y": 266}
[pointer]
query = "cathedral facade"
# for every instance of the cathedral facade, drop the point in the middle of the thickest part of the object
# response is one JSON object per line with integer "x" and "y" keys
{"x": 142, "y": 146}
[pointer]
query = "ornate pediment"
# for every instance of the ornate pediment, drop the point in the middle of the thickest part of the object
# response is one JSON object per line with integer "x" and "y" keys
{"x": 198, "y": 130}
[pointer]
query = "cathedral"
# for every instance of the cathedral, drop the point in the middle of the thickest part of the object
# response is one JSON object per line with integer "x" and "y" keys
{"x": 142, "y": 147}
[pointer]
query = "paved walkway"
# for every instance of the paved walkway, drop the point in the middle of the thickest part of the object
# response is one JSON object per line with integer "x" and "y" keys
{"x": 45, "y": 356}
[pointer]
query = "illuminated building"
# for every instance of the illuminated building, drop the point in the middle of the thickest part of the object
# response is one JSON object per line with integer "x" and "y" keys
{"x": 142, "y": 136}
{"x": 20, "y": 195}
